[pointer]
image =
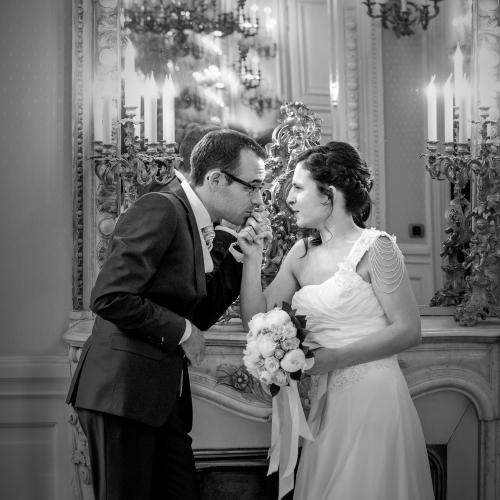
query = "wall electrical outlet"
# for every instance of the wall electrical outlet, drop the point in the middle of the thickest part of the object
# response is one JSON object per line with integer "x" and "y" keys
{"x": 416, "y": 230}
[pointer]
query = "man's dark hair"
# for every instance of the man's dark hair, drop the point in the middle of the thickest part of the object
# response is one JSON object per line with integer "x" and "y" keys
{"x": 221, "y": 149}
{"x": 194, "y": 132}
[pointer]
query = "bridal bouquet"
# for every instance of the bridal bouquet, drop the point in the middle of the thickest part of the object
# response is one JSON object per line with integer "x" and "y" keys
{"x": 276, "y": 356}
{"x": 274, "y": 353}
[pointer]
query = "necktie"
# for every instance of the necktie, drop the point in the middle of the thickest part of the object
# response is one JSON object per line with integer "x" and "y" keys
{"x": 208, "y": 235}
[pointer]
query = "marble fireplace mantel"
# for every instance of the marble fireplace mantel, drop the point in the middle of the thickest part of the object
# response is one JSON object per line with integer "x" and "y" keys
{"x": 464, "y": 360}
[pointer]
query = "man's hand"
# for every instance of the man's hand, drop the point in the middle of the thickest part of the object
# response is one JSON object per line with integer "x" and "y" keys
{"x": 261, "y": 225}
{"x": 194, "y": 346}
{"x": 230, "y": 225}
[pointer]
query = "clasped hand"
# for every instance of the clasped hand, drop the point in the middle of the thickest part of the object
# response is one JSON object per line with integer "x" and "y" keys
{"x": 256, "y": 232}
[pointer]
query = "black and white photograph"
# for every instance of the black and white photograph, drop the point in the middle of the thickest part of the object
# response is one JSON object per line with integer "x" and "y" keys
{"x": 250, "y": 250}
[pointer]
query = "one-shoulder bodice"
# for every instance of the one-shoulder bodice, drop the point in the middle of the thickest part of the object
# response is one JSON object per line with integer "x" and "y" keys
{"x": 344, "y": 308}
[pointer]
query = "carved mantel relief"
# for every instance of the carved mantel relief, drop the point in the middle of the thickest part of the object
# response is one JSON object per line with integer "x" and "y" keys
{"x": 450, "y": 358}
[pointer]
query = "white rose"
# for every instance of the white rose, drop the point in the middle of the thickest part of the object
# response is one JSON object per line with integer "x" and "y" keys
{"x": 276, "y": 317}
{"x": 289, "y": 331}
{"x": 280, "y": 378}
{"x": 271, "y": 364}
{"x": 293, "y": 361}
{"x": 279, "y": 353}
{"x": 290, "y": 344}
{"x": 252, "y": 350}
{"x": 251, "y": 356}
{"x": 266, "y": 346}
{"x": 266, "y": 377}
{"x": 256, "y": 323}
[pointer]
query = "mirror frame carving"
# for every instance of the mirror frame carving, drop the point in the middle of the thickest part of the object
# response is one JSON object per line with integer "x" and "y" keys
{"x": 358, "y": 117}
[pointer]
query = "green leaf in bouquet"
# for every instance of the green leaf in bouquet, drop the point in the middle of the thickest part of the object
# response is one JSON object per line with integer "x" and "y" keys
{"x": 274, "y": 389}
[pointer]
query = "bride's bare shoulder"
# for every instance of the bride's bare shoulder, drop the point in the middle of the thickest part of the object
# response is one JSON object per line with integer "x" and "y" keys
{"x": 296, "y": 256}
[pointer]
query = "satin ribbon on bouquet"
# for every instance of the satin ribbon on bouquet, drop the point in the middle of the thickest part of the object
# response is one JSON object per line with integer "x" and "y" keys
{"x": 288, "y": 423}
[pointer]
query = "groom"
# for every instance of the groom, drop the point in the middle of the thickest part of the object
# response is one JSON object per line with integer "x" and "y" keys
{"x": 156, "y": 292}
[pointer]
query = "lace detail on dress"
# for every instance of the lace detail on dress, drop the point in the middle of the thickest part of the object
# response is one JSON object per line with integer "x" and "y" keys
{"x": 387, "y": 264}
{"x": 340, "y": 380}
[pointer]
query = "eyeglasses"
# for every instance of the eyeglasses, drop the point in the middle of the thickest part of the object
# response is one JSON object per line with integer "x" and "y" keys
{"x": 252, "y": 188}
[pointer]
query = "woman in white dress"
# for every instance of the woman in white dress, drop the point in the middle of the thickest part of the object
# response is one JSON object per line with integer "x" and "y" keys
{"x": 352, "y": 285}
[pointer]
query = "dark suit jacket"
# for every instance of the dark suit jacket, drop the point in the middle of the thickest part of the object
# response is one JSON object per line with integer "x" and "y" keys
{"x": 152, "y": 279}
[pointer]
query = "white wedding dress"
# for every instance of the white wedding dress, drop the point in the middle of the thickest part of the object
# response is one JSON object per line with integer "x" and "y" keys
{"x": 368, "y": 442}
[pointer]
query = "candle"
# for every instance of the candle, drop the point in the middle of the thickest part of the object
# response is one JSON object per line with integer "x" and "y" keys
{"x": 168, "y": 108}
{"x": 431, "y": 111}
{"x": 254, "y": 9}
{"x": 448, "y": 110}
{"x": 458, "y": 71}
{"x": 129, "y": 62}
{"x": 404, "y": 7}
{"x": 467, "y": 104}
{"x": 150, "y": 115}
{"x": 267, "y": 21}
{"x": 132, "y": 89}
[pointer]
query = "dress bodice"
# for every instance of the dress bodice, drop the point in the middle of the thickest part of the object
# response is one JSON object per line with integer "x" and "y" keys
{"x": 344, "y": 308}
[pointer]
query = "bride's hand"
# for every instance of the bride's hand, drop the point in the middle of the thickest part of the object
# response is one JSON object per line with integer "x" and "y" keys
{"x": 325, "y": 360}
{"x": 250, "y": 243}
{"x": 256, "y": 233}
{"x": 259, "y": 221}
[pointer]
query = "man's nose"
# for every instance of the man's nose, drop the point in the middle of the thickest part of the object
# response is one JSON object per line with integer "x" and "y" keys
{"x": 257, "y": 198}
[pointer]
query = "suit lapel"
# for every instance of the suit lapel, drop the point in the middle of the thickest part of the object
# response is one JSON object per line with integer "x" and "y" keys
{"x": 175, "y": 188}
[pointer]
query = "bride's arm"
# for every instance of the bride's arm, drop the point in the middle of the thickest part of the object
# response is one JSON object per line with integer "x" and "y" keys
{"x": 384, "y": 264}
{"x": 282, "y": 288}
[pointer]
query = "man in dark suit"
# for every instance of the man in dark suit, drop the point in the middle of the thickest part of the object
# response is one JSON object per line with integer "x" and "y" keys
{"x": 155, "y": 293}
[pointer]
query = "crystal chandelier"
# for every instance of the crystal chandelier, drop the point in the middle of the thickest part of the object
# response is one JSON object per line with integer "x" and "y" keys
{"x": 166, "y": 28}
{"x": 403, "y": 16}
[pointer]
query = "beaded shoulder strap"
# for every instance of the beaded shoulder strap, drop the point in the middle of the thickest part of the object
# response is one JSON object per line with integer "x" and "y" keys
{"x": 361, "y": 246}
{"x": 386, "y": 261}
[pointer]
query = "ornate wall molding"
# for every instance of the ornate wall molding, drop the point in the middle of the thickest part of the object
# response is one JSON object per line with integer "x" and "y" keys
{"x": 352, "y": 82}
{"x": 79, "y": 25}
{"x": 356, "y": 62}
{"x": 371, "y": 108}
{"x": 34, "y": 436}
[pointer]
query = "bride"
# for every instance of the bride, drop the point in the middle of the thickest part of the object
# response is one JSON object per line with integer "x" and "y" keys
{"x": 351, "y": 284}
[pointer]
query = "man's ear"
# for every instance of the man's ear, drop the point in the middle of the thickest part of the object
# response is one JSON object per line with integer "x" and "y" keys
{"x": 214, "y": 179}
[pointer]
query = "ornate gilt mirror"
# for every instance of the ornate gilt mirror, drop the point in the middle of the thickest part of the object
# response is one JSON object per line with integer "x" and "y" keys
{"x": 367, "y": 86}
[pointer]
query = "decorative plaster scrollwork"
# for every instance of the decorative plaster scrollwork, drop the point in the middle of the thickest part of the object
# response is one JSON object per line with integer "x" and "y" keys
{"x": 238, "y": 378}
{"x": 80, "y": 455}
{"x": 107, "y": 65}
{"x": 78, "y": 158}
{"x": 352, "y": 73}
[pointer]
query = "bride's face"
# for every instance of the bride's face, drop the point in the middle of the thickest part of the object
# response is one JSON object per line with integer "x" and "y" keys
{"x": 310, "y": 206}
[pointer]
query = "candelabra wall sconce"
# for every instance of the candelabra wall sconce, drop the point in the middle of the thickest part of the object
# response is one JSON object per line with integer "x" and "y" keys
{"x": 123, "y": 177}
{"x": 471, "y": 252}
{"x": 403, "y": 16}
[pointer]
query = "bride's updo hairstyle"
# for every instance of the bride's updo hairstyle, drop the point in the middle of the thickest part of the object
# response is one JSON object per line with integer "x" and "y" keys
{"x": 339, "y": 164}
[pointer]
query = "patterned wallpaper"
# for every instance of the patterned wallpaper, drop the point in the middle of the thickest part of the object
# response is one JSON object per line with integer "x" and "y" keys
{"x": 405, "y": 128}
{"x": 35, "y": 187}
